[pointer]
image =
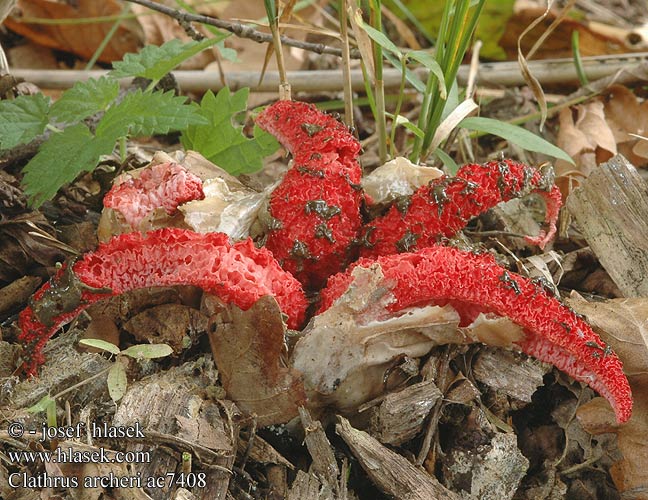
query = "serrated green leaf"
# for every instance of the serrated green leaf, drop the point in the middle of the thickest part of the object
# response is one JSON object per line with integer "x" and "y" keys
{"x": 516, "y": 135}
{"x": 147, "y": 113}
{"x": 22, "y": 119}
{"x": 85, "y": 99}
{"x": 148, "y": 351}
{"x": 43, "y": 404}
{"x": 223, "y": 143}
{"x": 117, "y": 381}
{"x": 101, "y": 344}
{"x": 153, "y": 62}
{"x": 60, "y": 159}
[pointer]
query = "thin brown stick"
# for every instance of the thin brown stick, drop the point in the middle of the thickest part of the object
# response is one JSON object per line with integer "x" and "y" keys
{"x": 241, "y": 30}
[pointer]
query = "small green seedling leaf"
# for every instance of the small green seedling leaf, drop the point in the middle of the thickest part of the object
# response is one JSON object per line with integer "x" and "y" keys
{"x": 153, "y": 62}
{"x": 85, "y": 99}
{"x": 117, "y": 381}
{"x": 43, "y": 404}
{"x": 223, "y": 143}
{"x": 148, "y": 351}
{"x": 143, "y": 113}
{"x": 101, "y": 344}
{"x": 22, "y": 119}
{"x": 60, "y": 159}
{"x": 516, "y": 135}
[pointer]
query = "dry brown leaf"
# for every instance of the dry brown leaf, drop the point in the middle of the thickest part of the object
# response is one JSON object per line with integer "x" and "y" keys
{"x": 160, "y": 28}
{"x": 80, "y": 39}
{"x": 249, "y": 350}
{"x": 627, "y": 118}
{"x": 623, "y": 323}
{"x": 173, "y": 324}
{"x": 589, "y": 140}
{"x": 346, "y": 351}
{"x": 593, "y": 40}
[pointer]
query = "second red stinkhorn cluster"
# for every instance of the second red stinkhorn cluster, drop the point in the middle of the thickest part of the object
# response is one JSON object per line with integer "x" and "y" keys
{"x": 316, "y": 230}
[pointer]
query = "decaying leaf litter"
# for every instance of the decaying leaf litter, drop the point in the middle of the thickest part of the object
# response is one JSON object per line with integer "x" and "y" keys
{"x": 478, "y": 413}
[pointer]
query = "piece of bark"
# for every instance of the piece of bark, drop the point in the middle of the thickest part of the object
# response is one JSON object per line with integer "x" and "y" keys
{"x": 169, "y": 408}
{"x": 262, "y": 452}
{"x": 324, "y": 464}
{"x": 15, "y": 295}
{"x": 491, "y": 471}
{"x": 64, "y": 367}
{"x": 611, "y": 210}
{"x": 509, "y": 373}
{"x": 400, "y": 417}
{"x": 390, "y": 472}
{"x": 307, "y": 487}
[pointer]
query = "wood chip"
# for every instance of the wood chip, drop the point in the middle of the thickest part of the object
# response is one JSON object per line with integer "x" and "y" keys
{"x": 400, "y": 417}
{"x": 611, "y": 210}
{"x": 389, "y": 471}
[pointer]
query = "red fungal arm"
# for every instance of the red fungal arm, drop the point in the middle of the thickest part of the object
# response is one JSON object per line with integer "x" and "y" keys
{"x": 475, "y": 283}
{"x": 238, "y": 274}
{"x": 445, "y": 206}
{"x": 165, "y": 185}
{"x": 316, "y": 208}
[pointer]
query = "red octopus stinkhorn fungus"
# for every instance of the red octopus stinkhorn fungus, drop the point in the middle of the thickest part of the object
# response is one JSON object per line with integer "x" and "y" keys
{"x": 316, "y": 208}
{"x": 445, "y": 206}
{"x": 165, "y": 185}
{"x": 474, "y": 283}
{"x": 315, "y": 220}
{"x": 238, "y": 274}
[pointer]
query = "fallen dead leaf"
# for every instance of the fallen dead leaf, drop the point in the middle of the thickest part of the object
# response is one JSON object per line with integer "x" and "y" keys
{"x": 81, "y": 39}
{"x": 249, "y": 350}
{"x": 174, "y": 324}
{"x": 627, "y": 116}
{"x": 589, "y": 140}
{"x": 623, "y": 324}
{"x": 346, "y": 351}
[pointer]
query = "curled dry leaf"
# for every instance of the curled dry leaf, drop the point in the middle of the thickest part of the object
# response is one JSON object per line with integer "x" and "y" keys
{"x": 628, "y": 118}
{"x": 197, "y": 195}
{"x": 81, "y": 39}
{"x": 346, "y": 350}
{"x": 588, "y": 139}
{"x": 249, "y": 350}
{"x": 622, "y": 323}
{"x": 396, "y": 178}
{"x": 174, "y": 324}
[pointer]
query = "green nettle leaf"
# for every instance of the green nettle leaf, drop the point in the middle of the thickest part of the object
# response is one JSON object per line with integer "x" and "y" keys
{"x": 223, "y": 143}
{"x": 85, "y": 99}
{"x": 117, "y": 381}
{"x": 60, "y": 159}
{"x": 154, "y": 62}
{"x": 148, "y": 351}
{"x": 517, "y": 135}
{"x": 101, "y": 344}
{"x": 147, "y": 113}
{"x": 22, "y": 119}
